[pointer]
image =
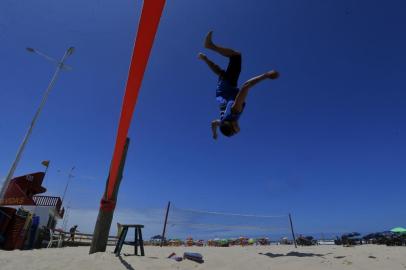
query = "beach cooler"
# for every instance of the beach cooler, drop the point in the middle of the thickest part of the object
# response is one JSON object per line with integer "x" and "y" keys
{"x": 193, "y": 256}
{"x": 6, "y": 215}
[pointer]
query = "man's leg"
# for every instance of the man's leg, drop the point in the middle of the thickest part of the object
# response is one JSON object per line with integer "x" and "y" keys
{"x": 213, "y": 66}
{"x": 233, "y": 70}
{"x": 243, "y": 93}
{"x": 209, "y": 44}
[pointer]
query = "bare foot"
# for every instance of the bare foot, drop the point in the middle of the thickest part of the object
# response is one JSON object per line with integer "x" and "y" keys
{"x": 201, "y": 56}
{"x": 208, "y": 43}
{"x": 273, "y": 74}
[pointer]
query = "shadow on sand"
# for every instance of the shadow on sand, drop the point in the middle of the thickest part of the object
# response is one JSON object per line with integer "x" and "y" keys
{"x": 125, "y": 263}
{"x": 293, "y": 253}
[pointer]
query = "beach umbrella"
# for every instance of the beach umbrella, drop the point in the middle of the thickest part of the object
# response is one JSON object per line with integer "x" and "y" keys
{"x": 223, "y": 241}
{"x": 398, "y": 230}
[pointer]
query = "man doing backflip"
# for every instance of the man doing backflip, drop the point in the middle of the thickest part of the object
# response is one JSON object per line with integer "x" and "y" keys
{"x": 231, "y": 99}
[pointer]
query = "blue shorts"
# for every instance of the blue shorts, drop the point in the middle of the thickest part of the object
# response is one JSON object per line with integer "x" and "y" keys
{"x": 233, "y": 70}
{"x": 228, "y": 79}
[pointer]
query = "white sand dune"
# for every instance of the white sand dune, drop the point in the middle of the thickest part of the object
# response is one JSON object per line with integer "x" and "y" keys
{"x": 371, "y": 257}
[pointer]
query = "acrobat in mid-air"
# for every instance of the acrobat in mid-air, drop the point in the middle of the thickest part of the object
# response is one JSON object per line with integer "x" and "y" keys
{"x": 229, "y": 96}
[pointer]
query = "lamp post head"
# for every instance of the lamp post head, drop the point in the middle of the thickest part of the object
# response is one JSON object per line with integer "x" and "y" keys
{"x": 70, "y": 50}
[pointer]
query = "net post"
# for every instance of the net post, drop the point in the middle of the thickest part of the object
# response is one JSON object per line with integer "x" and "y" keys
{"x": 165, "y": 222}
{"x": 291, "y": 228}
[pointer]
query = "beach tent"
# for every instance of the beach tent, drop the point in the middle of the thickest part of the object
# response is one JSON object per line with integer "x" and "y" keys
{"x": 399, "y": 230}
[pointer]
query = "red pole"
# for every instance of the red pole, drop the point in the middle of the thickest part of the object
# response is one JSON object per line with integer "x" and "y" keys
{"x": 147, "y": 28}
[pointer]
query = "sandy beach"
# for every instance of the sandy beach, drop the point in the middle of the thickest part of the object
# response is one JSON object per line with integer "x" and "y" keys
{"x": 371, "y": 257}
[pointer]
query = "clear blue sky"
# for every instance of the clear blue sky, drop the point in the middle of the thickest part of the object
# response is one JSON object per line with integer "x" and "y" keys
{"x": 326, "y": 141}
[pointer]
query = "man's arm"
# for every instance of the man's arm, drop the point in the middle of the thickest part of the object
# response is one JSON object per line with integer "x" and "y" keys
{"x": 214, "y": 125}
{"x": 215, "y": 68}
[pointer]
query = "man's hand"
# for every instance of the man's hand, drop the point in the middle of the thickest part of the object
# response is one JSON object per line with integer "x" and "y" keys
{"x": 202, "y": 56}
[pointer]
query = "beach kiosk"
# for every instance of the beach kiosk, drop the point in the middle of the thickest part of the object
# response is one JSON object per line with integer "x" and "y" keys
{"x": 23, "y": 212}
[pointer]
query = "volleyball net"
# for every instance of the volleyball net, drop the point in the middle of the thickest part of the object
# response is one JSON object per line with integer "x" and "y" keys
{"x": 198, "y": 224}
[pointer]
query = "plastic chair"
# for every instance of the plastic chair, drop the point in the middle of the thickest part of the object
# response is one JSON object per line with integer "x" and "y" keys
{"x": 55, "y": 238}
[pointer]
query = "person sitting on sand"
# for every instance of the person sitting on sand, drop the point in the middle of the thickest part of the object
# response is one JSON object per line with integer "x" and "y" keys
{"x": 229, "y": 96}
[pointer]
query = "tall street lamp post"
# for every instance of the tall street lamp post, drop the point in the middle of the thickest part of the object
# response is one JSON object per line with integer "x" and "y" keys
{"x": 60, "y": 65}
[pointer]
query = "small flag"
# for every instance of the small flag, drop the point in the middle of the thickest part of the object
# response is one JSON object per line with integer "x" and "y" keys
{"x": 46, "y": 163}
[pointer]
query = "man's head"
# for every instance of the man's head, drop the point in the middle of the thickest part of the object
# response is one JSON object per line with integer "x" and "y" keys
{"x": 229, "y": 128}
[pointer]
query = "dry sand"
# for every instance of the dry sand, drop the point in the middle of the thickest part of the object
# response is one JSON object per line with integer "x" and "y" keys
{"x": 371, "y": 257}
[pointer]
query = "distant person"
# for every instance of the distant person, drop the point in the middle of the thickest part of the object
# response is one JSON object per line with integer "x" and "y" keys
{"x": 231, "y": 99}
{"x": 72, "y": 232}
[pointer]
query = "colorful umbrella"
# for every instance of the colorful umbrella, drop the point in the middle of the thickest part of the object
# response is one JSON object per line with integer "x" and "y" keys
{"x": 398, "y": 230}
